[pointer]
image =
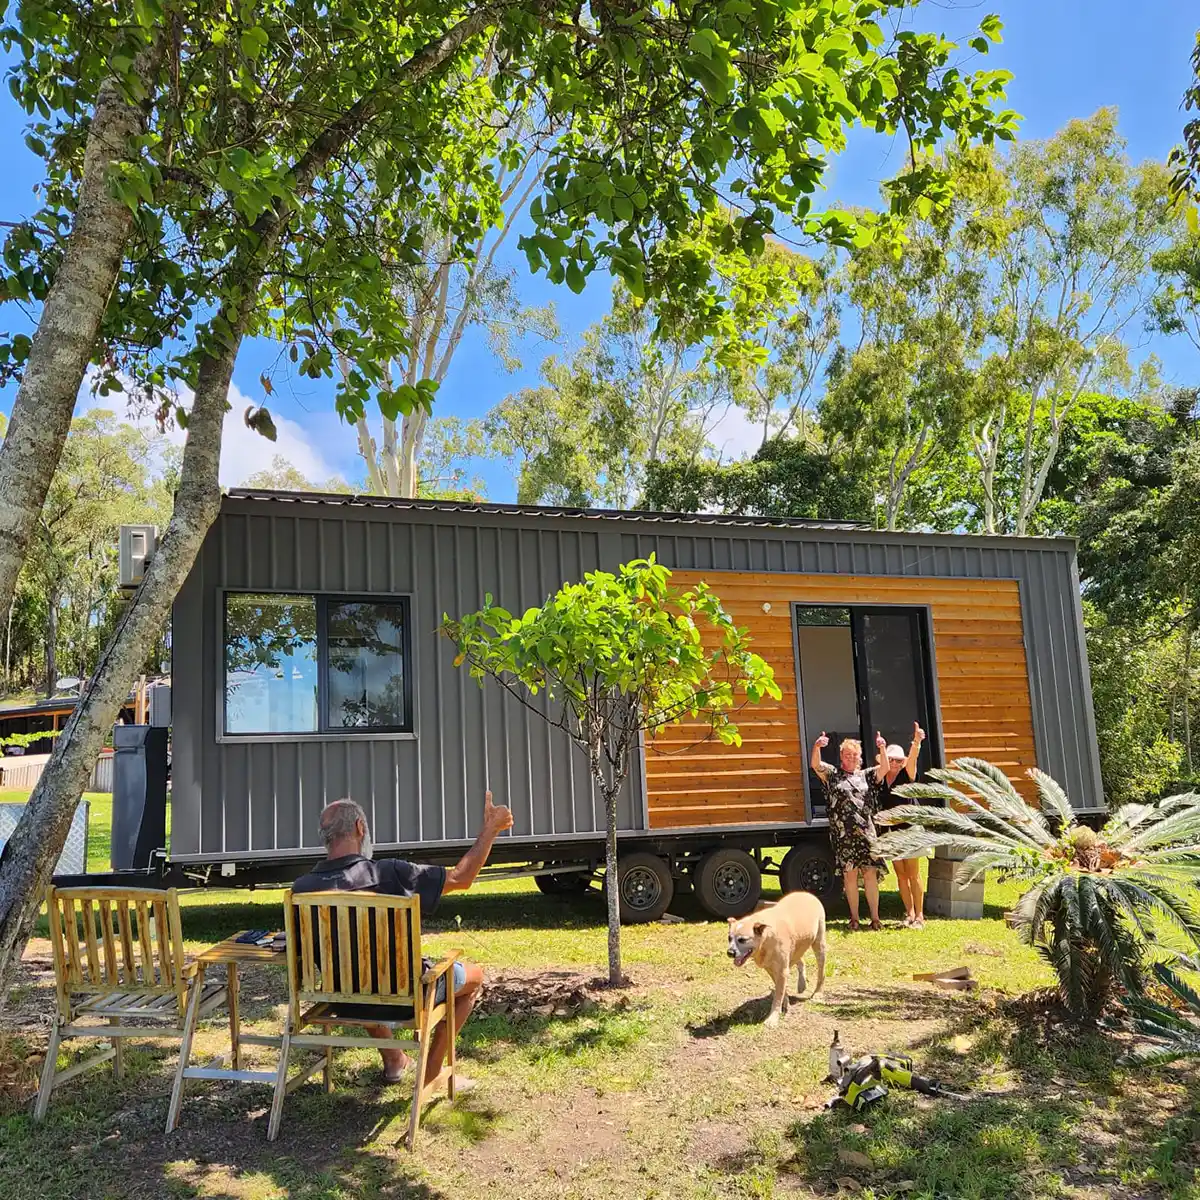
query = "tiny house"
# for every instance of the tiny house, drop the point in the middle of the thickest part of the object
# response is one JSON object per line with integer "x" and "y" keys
{"x": 308, "y": 667}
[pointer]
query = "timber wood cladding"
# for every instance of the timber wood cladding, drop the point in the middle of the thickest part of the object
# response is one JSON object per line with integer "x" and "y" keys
{"x": 982, "y": 684}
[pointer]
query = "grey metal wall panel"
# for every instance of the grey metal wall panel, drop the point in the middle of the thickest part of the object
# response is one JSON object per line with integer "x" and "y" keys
{"x": 240, "y": 798}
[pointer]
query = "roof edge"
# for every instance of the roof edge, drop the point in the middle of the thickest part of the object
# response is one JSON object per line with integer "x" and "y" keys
{"x": 642, "y": 516}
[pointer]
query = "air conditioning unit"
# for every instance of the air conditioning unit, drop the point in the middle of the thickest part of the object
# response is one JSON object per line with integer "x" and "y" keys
{"x": 135, "y": 550}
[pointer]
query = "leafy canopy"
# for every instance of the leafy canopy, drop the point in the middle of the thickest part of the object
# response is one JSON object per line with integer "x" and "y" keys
{"x": 622, "y": 653}
{"x": 340, "y": 118}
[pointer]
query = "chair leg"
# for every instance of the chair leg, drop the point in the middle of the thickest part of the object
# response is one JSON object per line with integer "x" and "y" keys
{"x": 185, "y": 1049}
{"x": 414, "y": 1120}
{"x": 49, "y": 1070}
{"x": 118, "y": 1047}
{"x": 285, "y": 1050}
{"x": 451, "y": 1054}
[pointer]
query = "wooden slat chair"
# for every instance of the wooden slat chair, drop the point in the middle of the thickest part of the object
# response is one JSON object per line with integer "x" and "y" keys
{"x": 361, "y": 948}
{"x": 118, "y": 958}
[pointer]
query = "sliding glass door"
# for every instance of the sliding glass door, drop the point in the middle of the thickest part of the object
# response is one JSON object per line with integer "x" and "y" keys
{"x": 863, "y": 669}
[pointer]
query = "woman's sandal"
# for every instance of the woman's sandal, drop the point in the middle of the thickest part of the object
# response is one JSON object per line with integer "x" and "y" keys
{"x": 854, "y": 926}
{"x": 875, "y": 926}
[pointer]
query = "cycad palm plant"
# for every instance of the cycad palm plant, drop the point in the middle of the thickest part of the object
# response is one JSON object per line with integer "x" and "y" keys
{"x": 1095, "y": 899}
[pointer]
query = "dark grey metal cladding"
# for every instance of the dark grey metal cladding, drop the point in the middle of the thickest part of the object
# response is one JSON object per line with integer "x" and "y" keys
{"x": 254, "y": 796}
{"x": 257, "y": 797}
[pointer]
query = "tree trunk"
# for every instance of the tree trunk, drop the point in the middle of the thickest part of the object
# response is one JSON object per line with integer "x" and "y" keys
{"x": 12, "y": 604}
{"x": 412, "y": 438}
{"x": 71, "y": 316}
{"x": 27, "y": 861}
{"x": 28, "y": 858}
{"x": 612, "y": 879}
{"x": 52, "y": 603}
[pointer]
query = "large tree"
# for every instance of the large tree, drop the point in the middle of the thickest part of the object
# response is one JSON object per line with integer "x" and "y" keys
{"x": 323, "y": 124}
{"x": 1071, "y": 227}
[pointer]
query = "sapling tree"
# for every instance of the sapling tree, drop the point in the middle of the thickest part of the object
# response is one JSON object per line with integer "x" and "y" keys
{"x": 618, "y": 656}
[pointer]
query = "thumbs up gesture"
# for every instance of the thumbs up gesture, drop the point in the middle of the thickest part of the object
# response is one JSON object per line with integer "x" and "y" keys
{"x": 496, "y": 817}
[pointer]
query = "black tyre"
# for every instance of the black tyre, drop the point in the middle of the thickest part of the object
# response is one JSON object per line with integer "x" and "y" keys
{"x": 570, "y": 883}
{"x": 809, "y": 867}
{"x": 646, "y": 887}
{"x": 728, "y": 882}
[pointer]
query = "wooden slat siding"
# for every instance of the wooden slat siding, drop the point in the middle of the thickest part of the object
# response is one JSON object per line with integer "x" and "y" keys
{"x": 983, "y": 687}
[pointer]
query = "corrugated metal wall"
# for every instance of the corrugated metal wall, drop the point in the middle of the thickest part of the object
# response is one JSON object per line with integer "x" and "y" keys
{"x": 263, "y": 796}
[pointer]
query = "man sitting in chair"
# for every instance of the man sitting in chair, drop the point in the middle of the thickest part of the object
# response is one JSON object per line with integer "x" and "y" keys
{"x": 349, "y": 867}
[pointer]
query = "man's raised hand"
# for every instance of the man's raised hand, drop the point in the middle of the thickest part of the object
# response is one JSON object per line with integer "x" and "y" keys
{"x": 496, "y": 817}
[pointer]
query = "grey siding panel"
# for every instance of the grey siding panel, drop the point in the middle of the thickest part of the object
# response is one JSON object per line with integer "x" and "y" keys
{"x": 241, "y": 798}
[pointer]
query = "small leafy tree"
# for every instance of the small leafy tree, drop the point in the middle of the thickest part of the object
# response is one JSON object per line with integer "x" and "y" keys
{"x": 621, "y": 655}
{"x": 1094, "y": 898}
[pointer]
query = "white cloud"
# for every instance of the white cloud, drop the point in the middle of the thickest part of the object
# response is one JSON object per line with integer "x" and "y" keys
{"x": 244, "y": 452}
{"x": 734, "y": 435}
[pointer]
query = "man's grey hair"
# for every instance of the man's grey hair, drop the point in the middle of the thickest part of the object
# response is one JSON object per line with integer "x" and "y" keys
{"x": 338, "y": 820}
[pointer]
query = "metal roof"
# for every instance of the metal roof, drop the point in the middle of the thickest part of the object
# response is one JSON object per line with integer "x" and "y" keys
{"x": 537, "y": 510}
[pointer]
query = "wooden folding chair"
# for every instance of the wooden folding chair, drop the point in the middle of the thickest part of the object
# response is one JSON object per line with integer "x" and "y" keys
{"x": 361, "y": 948}
{"x": 118, "y": 957}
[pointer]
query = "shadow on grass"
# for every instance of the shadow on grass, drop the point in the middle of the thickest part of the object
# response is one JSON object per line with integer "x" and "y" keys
{"x": 1052, "y": 1111}
{"x": 99, "y": 1141}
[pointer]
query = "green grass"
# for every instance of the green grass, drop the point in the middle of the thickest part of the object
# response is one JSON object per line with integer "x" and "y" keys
{"x": 671, "y": 1089}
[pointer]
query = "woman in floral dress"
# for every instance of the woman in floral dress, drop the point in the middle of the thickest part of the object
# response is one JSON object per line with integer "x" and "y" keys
{"x": 852, "y": 796}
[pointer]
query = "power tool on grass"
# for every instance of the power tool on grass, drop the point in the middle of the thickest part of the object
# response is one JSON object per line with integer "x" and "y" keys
{"x": 867, "y": 1079}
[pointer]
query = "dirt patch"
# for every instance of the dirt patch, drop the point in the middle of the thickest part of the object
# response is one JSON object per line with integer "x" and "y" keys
{"x": 548, "y": 994}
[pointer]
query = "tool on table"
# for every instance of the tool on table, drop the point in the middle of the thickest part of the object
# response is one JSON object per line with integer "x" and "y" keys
{"x": 868, "y": 1079}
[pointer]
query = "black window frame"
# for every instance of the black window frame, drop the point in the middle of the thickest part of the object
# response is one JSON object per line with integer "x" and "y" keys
{"x": 322, "y": 602}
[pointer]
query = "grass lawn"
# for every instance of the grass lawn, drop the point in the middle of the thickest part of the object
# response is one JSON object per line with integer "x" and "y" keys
{"x": 670, "y": 1089}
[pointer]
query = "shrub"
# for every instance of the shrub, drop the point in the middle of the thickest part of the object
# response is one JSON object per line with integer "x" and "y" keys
{"x": 1095, "y": 899}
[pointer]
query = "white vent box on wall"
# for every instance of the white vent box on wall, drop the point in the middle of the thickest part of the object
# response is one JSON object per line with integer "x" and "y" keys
{"x": 135, "y": 550}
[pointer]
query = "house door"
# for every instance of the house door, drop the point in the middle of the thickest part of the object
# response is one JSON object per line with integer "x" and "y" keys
{"x": 862, "y": 668}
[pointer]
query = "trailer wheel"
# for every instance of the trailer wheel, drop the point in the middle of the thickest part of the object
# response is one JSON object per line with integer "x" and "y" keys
{"x": 728, "y": 882}
{"x": 809, "y": 867}
{"x": 646, "y": 887}
{"x": 570, "y": 883}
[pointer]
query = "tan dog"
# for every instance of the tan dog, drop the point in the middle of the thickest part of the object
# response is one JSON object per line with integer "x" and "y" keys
{"x": 778, "y": 937}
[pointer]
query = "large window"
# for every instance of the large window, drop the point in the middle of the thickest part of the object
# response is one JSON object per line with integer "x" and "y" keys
{"x": 315, "y": 664}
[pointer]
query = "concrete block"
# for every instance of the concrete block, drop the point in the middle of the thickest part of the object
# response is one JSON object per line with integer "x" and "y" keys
{"x": 957, "y": 910}
{"x": 944, "y": 898}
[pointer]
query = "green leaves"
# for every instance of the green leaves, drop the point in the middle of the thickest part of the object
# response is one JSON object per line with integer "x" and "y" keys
{"x": 621, "y": 655}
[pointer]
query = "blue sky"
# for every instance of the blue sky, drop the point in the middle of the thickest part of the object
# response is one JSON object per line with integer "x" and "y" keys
{"x": 1069, "y": 57}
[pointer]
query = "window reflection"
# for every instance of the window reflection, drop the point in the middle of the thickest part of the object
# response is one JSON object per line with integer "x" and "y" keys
{"x": 270, "y": 664}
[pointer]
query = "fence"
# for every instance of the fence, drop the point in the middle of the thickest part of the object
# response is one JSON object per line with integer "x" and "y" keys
{"x": 21, "y": 772}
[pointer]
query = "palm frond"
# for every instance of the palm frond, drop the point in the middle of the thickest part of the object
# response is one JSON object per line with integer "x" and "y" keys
{"x": 992, "y": 783}
{"x": 1179, "y": 822}
{"x": 1056, "y": 804}
{"x": 1159, "y": 896}
{"x": 1177, "y": 1033}
{"x": 1129, "y": 818}
{"x": 963, "y": 802}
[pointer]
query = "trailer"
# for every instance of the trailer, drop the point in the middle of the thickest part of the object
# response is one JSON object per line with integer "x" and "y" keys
{"x": 307, "y": 666}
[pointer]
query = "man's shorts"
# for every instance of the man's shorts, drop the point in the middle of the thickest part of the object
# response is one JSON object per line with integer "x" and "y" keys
{"x": 392, "y": 1012}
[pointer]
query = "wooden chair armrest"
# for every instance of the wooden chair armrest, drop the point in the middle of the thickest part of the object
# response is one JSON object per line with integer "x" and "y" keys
{"x": 440, "y": 968}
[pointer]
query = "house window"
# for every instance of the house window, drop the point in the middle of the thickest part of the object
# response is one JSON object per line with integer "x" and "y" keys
{"x": 315, "y": 664}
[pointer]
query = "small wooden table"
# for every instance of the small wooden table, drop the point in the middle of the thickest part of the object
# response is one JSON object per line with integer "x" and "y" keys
{"x": 232, "y": 954}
